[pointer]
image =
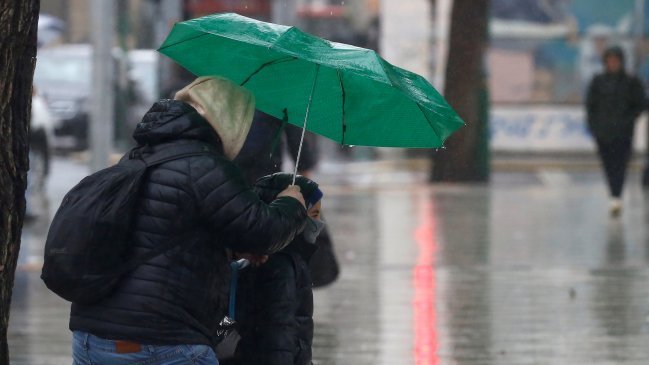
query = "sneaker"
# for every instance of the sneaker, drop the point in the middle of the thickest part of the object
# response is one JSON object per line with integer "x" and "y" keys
{"x": 616, "y": 207}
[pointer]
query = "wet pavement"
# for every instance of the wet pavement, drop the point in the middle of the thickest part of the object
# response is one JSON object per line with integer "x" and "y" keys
{"x": 528, "y": 270}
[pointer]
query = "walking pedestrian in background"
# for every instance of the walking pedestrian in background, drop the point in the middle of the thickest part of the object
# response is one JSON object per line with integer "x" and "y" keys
{"x": 615, "y": 100}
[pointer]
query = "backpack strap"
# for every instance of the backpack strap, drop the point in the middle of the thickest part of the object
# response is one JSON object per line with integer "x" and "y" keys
{"x": 165, "y": 155}
{"x": 169, "y": 153}
{"x": 235, "y": 266}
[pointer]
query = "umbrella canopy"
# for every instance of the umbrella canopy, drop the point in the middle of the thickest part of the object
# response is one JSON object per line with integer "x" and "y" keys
{"x": 350, "y": 94}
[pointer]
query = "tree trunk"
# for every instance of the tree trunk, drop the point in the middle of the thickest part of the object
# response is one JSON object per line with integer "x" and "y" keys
{"x": 18, "y": 26}
{"x": 465, "y": 158}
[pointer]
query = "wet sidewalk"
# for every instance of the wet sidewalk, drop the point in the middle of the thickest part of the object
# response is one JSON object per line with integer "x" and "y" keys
{"x": 528, "y": 270}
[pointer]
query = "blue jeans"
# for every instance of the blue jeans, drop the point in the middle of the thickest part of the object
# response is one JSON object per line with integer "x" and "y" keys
{"x": 92, "y": 350}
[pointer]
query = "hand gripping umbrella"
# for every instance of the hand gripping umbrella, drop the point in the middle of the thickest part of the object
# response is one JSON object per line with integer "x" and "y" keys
{"x": 348, "y": 94}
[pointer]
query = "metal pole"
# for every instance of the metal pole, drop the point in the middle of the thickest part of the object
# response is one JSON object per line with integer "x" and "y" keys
{"x": 168, "y": 12}
{"x": 102, "y": 113}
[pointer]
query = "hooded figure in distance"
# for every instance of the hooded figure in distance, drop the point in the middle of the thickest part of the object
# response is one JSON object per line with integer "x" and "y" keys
{"x": 615, "y": 100}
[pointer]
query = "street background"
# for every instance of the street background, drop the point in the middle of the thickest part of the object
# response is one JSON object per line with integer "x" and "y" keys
{"x": 528, "y": 268}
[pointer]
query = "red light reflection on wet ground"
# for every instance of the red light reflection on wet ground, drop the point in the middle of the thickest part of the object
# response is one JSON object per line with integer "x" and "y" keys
{"x": 424, "y": 284}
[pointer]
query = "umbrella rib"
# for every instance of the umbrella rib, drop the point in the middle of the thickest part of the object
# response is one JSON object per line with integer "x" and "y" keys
{"x": 439, "y": 135}
{"x": 342, "y": 89}
{"x": 269, "y": 63}
{"x": 181, "y": 41}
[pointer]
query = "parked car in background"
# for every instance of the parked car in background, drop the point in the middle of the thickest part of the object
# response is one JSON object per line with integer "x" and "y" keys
{"x": 64, "y": 77}
{"x": 143, "y": 72}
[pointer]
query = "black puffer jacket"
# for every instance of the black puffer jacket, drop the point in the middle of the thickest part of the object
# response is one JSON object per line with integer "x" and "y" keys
{"x": 614, "y": 102}
{"x": 275, "y": 309}
{"x": 275, "y": 301}
{"x": 180, "y": 297}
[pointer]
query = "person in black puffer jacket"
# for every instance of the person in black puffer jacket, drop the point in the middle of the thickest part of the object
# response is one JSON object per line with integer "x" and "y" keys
{"x": 168, "y": 309}
{"x": 615, "y": 100}
{"x": 275, "y": 300}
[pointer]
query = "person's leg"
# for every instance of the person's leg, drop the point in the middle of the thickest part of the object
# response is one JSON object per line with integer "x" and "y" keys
{"x": 80, "y": 349}
{"x": 620, "y": 157}
{"x": 194, "y": 354}
{"x": 606, "y": 151}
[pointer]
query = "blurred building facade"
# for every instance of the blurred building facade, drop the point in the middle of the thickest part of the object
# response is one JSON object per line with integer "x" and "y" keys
{"x": 76, "y": 15}
{"x": 543, "y": 53}
{"x": 145, "y": 23}
{"x": 347, "y": 21}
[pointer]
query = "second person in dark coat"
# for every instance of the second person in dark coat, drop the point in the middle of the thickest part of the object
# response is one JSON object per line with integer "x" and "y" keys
{"x": 262, "y": 155}
{"x": 275, "y": 300}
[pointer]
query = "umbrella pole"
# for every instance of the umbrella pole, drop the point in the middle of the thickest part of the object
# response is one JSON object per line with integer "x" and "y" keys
{"x": 306, "y": 117}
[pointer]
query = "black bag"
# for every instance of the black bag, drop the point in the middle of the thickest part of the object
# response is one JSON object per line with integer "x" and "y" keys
{"x": 323, "y": 265}
{"x": 645, "y": 176}
{"x": 87, "y": 247}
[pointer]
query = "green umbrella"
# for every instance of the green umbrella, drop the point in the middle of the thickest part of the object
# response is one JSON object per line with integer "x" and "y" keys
{"x": 348, "y": 94}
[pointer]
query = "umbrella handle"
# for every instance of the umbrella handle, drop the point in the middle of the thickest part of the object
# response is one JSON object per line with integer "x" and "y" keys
{"x": 306, "y": 117}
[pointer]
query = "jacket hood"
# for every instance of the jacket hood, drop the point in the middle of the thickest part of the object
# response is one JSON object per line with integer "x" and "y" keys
{"x": 615, "y": 52}
{"x": 228, "y": 108}
{"x": 171, "y": 120}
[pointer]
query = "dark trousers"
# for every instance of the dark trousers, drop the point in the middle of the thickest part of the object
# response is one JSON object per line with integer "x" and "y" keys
{"x": 615, "y": 156}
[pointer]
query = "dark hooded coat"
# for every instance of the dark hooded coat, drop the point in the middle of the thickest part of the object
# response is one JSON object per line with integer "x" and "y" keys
{"x": 275, "y": 301}
{"x": 614, "y": 102}
{"x": 263, "y": 150}
{"x": 206, "y": 206}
